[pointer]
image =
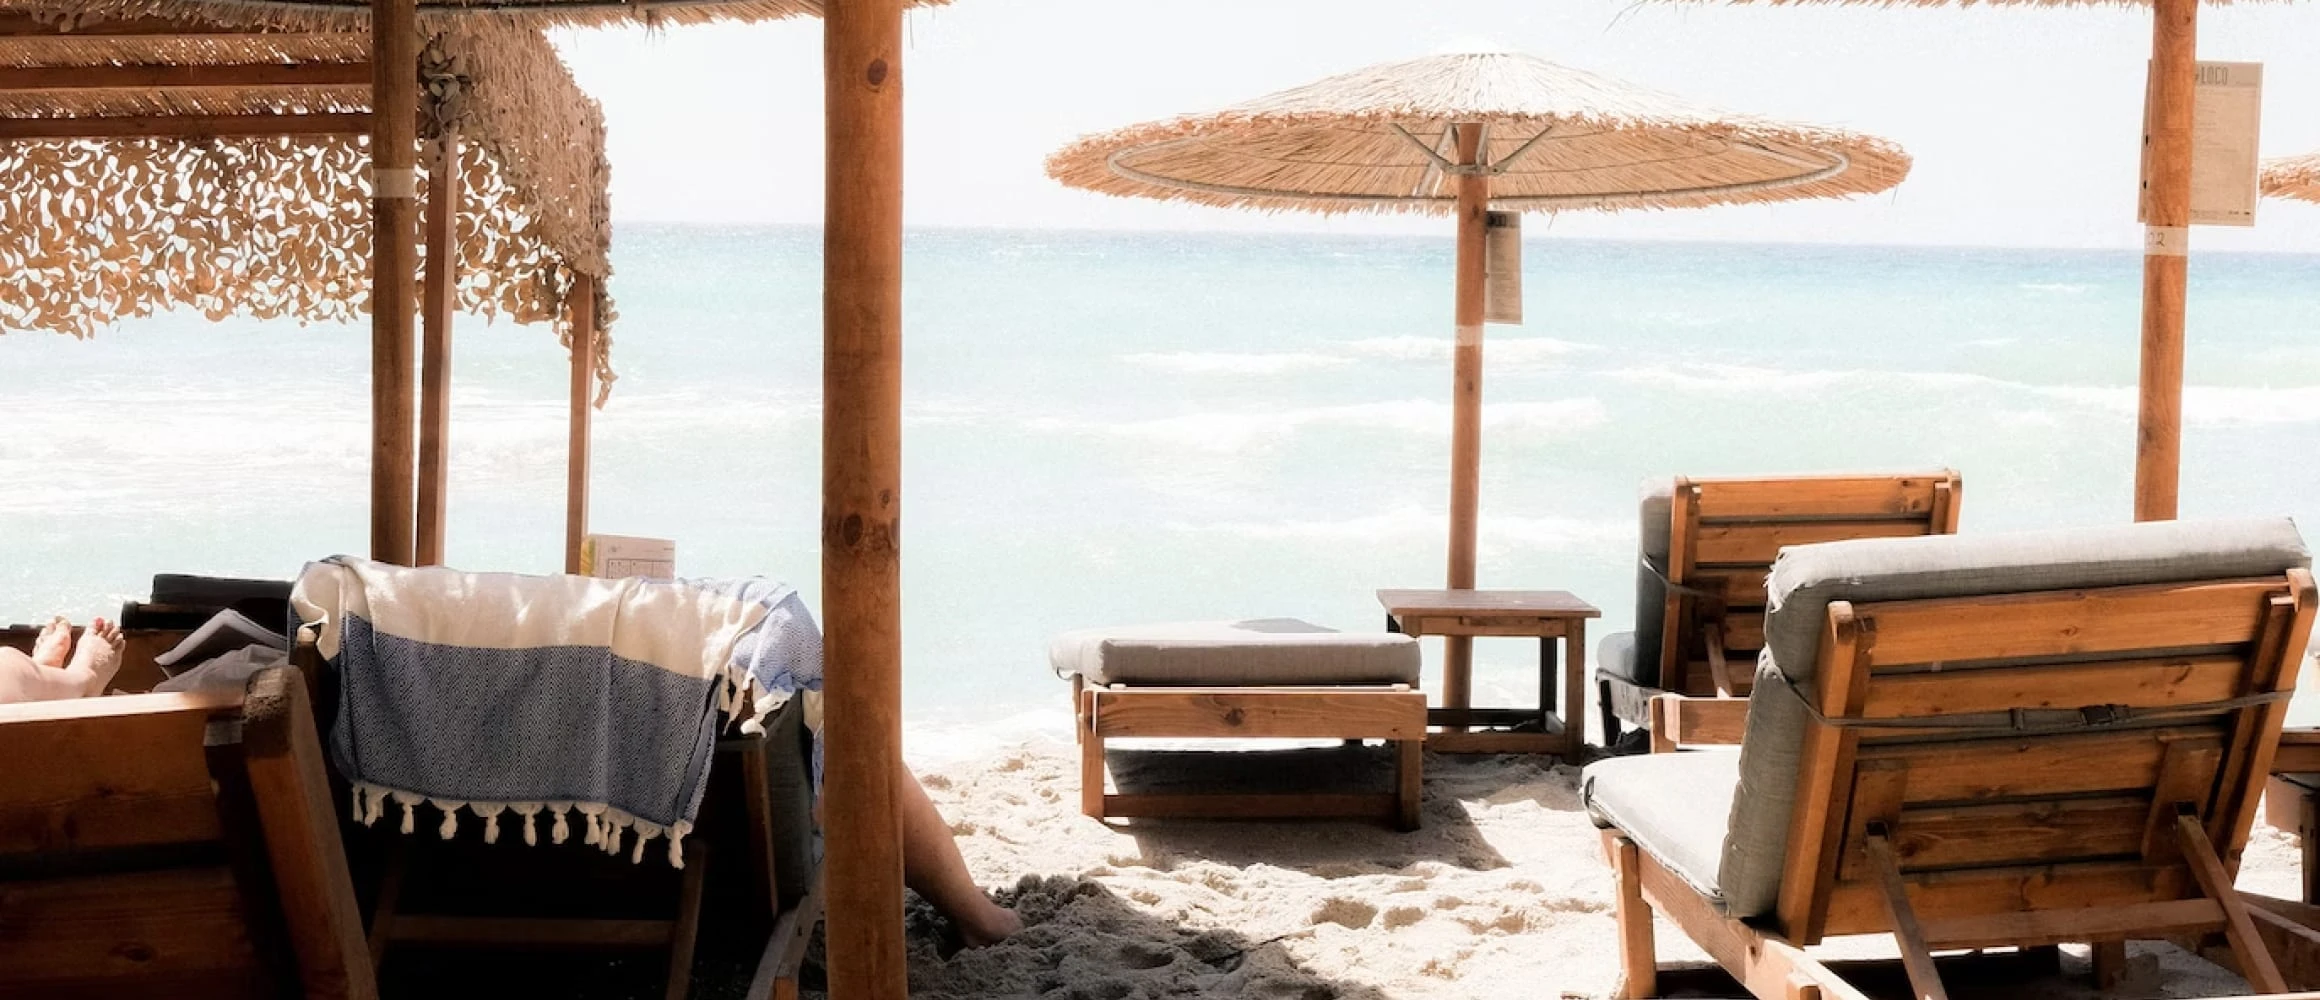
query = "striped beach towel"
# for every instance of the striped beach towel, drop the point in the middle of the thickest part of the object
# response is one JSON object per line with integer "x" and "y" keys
{"x": 542, "y": 697}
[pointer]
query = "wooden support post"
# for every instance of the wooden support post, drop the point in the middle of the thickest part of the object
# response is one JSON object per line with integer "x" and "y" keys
{"x": 1916, "y": 957}
{"x": 2109, "y": 959}
{"x": 287, "y": 778}
{"x": 394, "y": 253}
{"x": 862, "y": 496}
{"x": 582, "y": 309}
{"x": 1638, "y": 953}
{"x": 1466, "y": 406}
{"x": 2255, "y": 961}
{"x": 438, "y": 298}
{"x": 2166, "y": 242}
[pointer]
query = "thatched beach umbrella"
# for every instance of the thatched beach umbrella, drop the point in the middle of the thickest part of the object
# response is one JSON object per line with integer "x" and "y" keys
{"x": 2166, "y": 235}
{"x": 1462, "y": 134}
{"x": 2295, "y": 177}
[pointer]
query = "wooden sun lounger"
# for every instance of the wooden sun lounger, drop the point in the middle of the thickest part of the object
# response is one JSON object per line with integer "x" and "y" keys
{"x": 1941, "y": 792}
{"x": 1706, "y": 547}
{"x": 178, "y": 845}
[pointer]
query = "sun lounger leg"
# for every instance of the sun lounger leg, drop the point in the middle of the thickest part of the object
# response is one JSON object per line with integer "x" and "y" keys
{"x": 687, "y": 930}
{"x": 1638, "y": 957}
{"x": 390, "y": 894}
{"x": 1091, "y": 760}
{"x": 2255, "y": 961}
{"x": 1915, "y": 956}
{"x": 2110, "y": 963}
{"x": 1409, "y": 782}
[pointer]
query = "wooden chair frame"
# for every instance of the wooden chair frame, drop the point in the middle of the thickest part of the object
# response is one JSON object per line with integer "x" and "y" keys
{"x": 1395, "y": 713}
{"x": 181, "y": 844}
{"x": 1950, "y": 839}
{"x": 1723, "y": 535}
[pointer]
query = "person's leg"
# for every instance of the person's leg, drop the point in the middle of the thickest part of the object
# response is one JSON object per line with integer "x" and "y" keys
{"x": 932, "y": 867}
{"x": 96, "y": 658}
{"x": 49, "y": 673}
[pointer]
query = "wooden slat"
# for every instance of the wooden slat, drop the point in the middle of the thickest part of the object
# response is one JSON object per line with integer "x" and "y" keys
{"x": 1686, "y": 721}
{"x": 2278, "y": 657}
{"x": 2020, "y": 833}
{"x": 244, "y": 76}
{"x": 2142, "y": 683}
{"x": 1205, "y": 712}
{"x": 2079, "y": 923}
{"x": 1767, "y": 966}
{"x": 1816, "y": 826}
{"x": 1739, "y": 589}
{"x": 1700, "y": 678}
{"x": 1819, "y": 496}
{"x": 107, "y": 772}
{"x": 1510, "y": 626}
{"x": 1744, "y": 631}
{"x": 2298, "y": 753}
{"x": 2027, "y": 766}
{"x": 282, "y": 757}
{"x": 184, "y": 126}
{"x": 1759, "y": 543}
{"x": 175, "y": 933}
{"x": 1859, "y": 908}
{"x": 2063, "y": 623}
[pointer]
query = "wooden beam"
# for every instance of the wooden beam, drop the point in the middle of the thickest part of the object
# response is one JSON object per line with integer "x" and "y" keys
{"x": 292, "y": 788}
{"x": 2255, "y": 960}
{"x": 862, "y": 495}
{"x": 247, "y": 76}
{"x": 439, "y": 296}
{"x": 184, "y": 126}
{"x": 582, "y": 305}
{"x": 394, "y": 252}
{"x": 19, "y": 25}
{"x": 2166, "y": 264}
{"x": 1466, "y": 406}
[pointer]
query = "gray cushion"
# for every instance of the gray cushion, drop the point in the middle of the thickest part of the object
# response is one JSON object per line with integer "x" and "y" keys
{"x": 1258, "y": 652}
{"x": 1653, "y": 512}
{"x": 1671, "y": 804}
{"x": 1807, "y": 577}
{"x": 1615, "y": 657}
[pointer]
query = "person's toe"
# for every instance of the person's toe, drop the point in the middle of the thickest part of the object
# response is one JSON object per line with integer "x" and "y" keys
{"x": 54, "y": 645}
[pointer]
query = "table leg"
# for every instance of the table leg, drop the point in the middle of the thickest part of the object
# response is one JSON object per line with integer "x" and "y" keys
{"x": 1457, "y": 675}
{"x": 1546, "y": 681}
{"x": 1575, "y": 692}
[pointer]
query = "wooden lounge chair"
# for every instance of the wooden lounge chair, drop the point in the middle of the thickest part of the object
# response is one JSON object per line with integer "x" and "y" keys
{"x": 1975, "y": 742}
{"x": 1699, "y": 587}
{"x": 177, "y": 845}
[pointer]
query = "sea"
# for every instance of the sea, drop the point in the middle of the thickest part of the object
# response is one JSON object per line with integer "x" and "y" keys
{"x": 1118, "y": 427}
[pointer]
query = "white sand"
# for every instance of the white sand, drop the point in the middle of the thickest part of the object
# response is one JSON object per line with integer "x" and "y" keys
{"x": 1503, "y": 893}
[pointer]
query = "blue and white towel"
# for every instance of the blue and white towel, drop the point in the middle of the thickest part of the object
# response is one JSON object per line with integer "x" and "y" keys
{"x": 498, "y": 693}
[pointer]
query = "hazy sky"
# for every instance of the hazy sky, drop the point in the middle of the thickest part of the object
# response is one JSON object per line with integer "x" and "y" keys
{"x": 2024, "y": 122}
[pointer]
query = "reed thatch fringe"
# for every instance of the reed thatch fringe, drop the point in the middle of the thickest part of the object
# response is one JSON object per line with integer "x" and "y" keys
{"x": 354, "y": 15}
{"x": 93, "y": 232}
{"x": 1559, "y": 138}
{"x": 2295, "y": 177}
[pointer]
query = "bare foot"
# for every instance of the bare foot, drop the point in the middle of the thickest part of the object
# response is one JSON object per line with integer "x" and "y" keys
{"x": 98, "y": 656}
{"x": 54, "y": 644}
{"x": 989, "y": 925}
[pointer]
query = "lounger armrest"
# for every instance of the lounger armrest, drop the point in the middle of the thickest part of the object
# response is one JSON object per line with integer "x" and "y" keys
{"x": 1678, "y": 721}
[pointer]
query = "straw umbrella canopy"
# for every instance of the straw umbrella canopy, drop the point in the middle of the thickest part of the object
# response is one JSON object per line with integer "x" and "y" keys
{"x": 2166, "y": 235}
{"x": 2295, "y": 177}
{"x": 1460, "y": 134}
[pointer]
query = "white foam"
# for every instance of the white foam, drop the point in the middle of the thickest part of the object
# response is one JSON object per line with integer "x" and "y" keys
{"x": 1195, "y": 363}
{"x": 1231, "y": 432}
{"x": 1499, "y": 351}
{"x": 1416, "y": 523}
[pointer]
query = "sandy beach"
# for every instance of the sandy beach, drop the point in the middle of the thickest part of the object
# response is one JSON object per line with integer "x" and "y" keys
{"x": 1503, "y": 893}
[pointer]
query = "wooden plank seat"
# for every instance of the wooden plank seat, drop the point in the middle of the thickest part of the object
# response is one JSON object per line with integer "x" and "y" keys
{"x": 177, "y": 845}
{"x": 1260, "y": 678}
{"x": 1974, "y": 742}
{"x": 1705, "y": 547}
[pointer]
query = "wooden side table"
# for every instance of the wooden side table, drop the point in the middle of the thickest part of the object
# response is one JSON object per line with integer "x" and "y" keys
{"x": 1546, "y": 615}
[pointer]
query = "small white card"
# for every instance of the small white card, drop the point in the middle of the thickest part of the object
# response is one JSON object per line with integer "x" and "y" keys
{"x": 624, "y": 555}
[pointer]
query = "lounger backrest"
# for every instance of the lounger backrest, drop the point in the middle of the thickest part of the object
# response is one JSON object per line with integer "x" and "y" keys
{"x": 2077, "y": 691}
{"x": 1715, "y": 539}
{"x": 177, "y": 845}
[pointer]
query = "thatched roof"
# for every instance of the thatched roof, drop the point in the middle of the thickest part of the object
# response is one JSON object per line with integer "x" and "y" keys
{"x": 2293, "y": 177}
{"x": 151, "y": 164}
{"x": 355, "y": 15}
{"x": 1375, "y": 140}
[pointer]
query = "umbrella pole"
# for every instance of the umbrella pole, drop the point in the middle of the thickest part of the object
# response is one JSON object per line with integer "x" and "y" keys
{"x": 580, "y": 315}
{"x": 2166, "y": 268}
{"x": 439, "y": 295}
{"x": 861, "y": 496}
{"x": 394, "y": 253}
{"x": 1466, "y": 409}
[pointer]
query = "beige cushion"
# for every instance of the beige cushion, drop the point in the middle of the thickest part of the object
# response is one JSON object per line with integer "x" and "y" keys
{"x": 1254, "y": 653}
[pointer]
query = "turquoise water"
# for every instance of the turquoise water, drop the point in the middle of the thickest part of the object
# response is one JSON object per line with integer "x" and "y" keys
{"x": 1110, "y": 427}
